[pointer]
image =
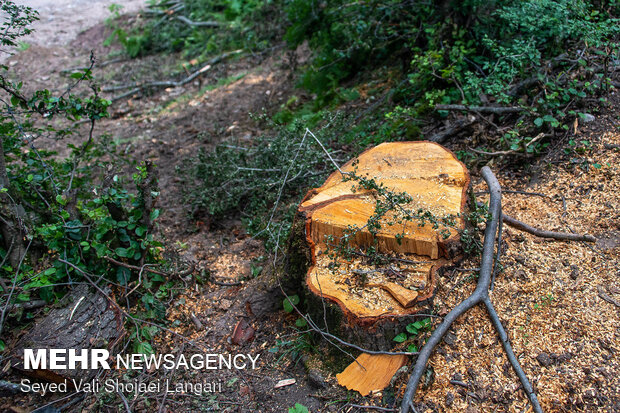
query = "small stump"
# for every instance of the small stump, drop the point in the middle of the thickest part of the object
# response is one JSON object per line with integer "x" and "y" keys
{"x": 370, "y": 304}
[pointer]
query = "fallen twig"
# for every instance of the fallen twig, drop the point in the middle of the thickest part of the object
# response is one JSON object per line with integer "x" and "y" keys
{"x": 563, "y": 236}
{"x": 146, "y": 267}
{"x": 137, "y": 86}
{"x": 382, "y": 409}
{"x": 198, "y": 24}
{"x": 509, "y": 191}
{"x": 457, "y": 126}
{"x": 97, "y": 64}
{"x": 29, "y": 305}
{"x": 196, "y": 322}
{"x": 480, "y": 295}
{"x": 606, "y": 297}
{"x": 484, "y": 109}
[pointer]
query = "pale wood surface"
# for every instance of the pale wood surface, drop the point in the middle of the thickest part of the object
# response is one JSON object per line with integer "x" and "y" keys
{"x": 435, "y": 180}
{"x": 377, "y": 371}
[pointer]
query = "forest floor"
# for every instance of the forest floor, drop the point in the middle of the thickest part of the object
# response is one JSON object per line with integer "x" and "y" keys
{"x": 559, "y": 301}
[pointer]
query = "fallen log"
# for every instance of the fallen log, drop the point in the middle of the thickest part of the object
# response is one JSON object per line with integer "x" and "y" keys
{"x": 87, "y": 320}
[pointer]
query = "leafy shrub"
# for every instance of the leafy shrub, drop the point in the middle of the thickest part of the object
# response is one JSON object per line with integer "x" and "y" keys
{"x": 263, "y": 180}
{"x": 547, "y": 56}
{"x": 64, "y": 218}
{"x": 248, "y": 24}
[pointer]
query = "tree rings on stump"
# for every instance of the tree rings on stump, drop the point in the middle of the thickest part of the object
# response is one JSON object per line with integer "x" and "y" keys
{"x": 374, "y": 300}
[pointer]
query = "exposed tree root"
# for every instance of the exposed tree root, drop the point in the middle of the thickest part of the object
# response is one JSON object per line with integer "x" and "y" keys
{"x": 546, "y": 234}
{"x": 480, "y": 295}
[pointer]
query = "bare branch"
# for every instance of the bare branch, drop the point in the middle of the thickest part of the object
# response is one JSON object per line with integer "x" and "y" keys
{"x": 498, "y": 110}
{"x": 562, "y": 236}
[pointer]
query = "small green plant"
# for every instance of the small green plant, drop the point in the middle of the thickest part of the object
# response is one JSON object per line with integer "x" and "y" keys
{"x": 298, "y": 408}
{"x": 544, "y": 301}
{"x": 412, "y": 331}
{"x": 263, "y": 180}
{"x": 72, "y": 218}
{"x": 289, "y": 302}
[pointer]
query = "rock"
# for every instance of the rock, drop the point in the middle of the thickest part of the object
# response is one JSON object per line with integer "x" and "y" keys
{"x": 588, "y": 118}
{"x": 544, "y": 359}
{"x": 316, "y": 379}
{"x": 574, "y": 273}
{"x": 224, "y": 304}
{"x": 449, "y": 399}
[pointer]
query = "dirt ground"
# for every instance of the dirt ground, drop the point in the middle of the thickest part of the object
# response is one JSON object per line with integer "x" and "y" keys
{"x": 559, "y": 301}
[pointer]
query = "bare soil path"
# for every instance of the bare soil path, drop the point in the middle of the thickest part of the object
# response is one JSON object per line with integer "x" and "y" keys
{"x": 60, "y": 21}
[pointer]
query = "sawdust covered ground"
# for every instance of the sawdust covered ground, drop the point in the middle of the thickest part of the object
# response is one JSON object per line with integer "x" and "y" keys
{"x": 559, "y": 301}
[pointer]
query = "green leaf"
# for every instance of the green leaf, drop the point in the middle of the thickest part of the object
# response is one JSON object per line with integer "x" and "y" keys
{"x": 538, "y": 122}
{"x": 289, "y": 303}
{"x": 50, "y": 271}
{"x": 412, "y": 348}
{"x": 122, "y": 275}
{"x": 400, "y": 338}
{"x": 298, "y": 408}
{"x": 301, "y": 322}
{"x": 144, "y": 348}
{"x": 412, "y": 329}
{"x": 154, "y": 214}
{"x": 122, "y": 252}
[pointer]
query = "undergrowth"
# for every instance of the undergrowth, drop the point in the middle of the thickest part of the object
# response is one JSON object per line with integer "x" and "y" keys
{"x": 72, "y": 217}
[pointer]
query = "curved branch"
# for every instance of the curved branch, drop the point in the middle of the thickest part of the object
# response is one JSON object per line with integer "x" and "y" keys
{"x": 480, "y": 295}
{"x": 488, "y": 109}
{"x": 546, "y": 234}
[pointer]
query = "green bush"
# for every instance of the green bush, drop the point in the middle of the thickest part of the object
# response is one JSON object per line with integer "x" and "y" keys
{"x": 247, "y": 24}
{"x": 64, "y": 218}
{"x": 263, "y": 180}
{"x": 547, "y": 56}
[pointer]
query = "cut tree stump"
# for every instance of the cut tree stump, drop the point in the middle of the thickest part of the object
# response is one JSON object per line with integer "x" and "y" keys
{"x": 87, "y": 320}
{"x": 369, "y": 304}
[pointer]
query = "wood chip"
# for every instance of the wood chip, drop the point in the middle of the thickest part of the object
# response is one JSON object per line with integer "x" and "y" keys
{"x": 285, "y": 382}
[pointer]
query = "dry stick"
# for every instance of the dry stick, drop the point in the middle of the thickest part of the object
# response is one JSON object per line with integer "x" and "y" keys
{"x": 485, "y": 109}
{"x": 136, "y": 86}
{"x": 198, "y": 24}
{"x": 511, "y": 191}
{"x": 382, "y": 409}
{"x": 480, "y": 295}
{"x": 29, "y": 305}
{"x": 546, "y": 234}
{"x": 146, "y": 268}
{"x": 441, "y": 136}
